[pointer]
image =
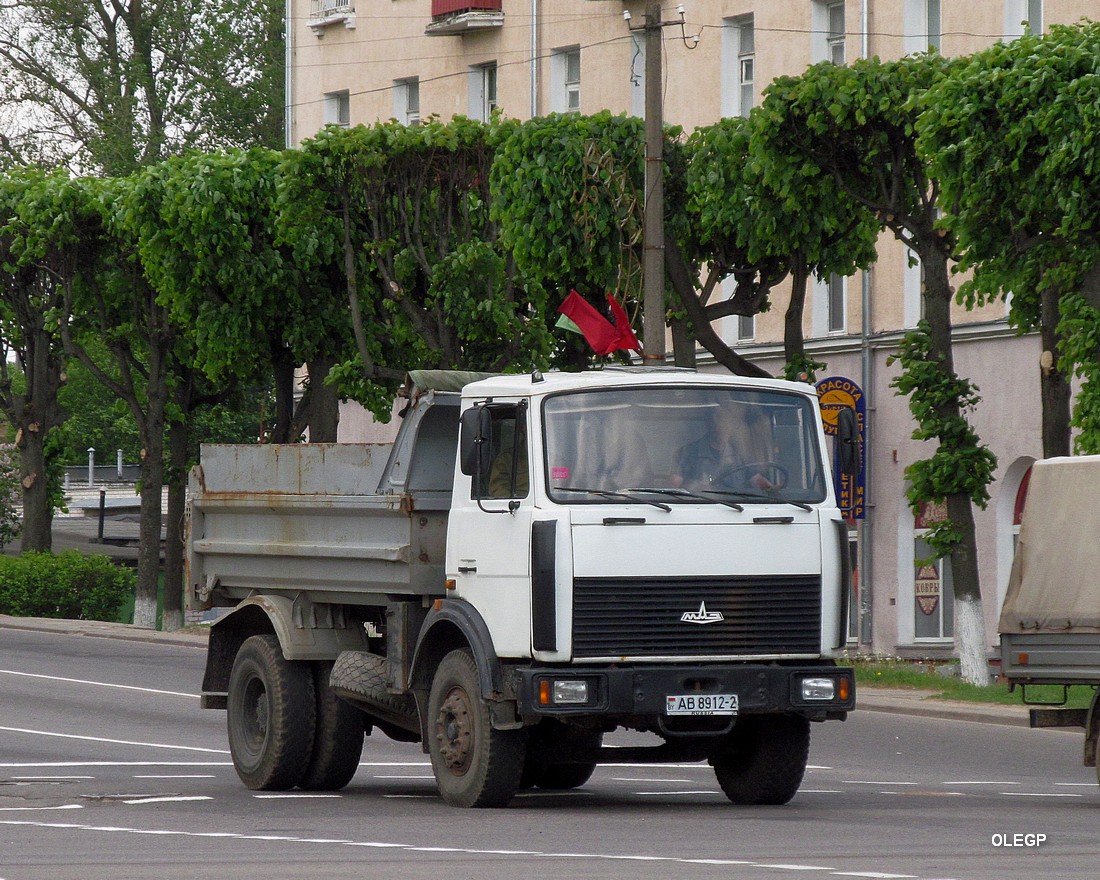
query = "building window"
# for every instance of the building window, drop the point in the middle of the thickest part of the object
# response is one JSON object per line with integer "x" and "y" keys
{"x": 837, "y": 303}
{"x": 637, "y": 75}
{"x": 933, "y": 587}
{"x": 746, "y": 327}
{"x": 923, "y": 26}
{"x": 834, "y": 37}
{"x": 565, "y": 80}
{"x": 406, "y": 100}
{"x": 739, "y": 73}
{"x": 483, "y": 91}
{"x": 337, "y": 109}
{"x": 1021, "y": 15}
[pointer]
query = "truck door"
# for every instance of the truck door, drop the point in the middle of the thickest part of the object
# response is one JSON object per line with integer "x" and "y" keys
{"x": 489, "y": 532}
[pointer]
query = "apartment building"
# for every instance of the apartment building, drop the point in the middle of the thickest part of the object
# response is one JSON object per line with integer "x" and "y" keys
{"x": 358, "y": 61}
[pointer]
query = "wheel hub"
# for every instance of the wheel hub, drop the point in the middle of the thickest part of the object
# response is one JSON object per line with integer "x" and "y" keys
{"x": 454, "y": 732}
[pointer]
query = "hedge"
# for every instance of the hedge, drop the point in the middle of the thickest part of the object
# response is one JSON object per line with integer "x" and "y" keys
{"x": 69, "y": 585}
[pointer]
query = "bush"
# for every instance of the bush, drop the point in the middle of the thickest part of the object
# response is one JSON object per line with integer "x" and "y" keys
{"x": 68, "y": 585}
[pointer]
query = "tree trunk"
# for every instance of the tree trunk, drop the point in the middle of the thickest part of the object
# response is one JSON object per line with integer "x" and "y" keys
{"x": 1054, "y": 387}
{"x": 794, "y": 342}
{"x": 152, "y": 427}
{"x": 283, "y": 368}
{"x": 324, "y": 404}
{"x": 679, "y": 274}
{"x": 37, "y": 533}
{"x": 970, "y": 641}
{"x": 683, "y": 344}
{"x": 172, "y": 618}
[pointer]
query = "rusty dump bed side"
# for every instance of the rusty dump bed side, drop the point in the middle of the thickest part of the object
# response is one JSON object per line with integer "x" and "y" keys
{"x": 341, "y": 523}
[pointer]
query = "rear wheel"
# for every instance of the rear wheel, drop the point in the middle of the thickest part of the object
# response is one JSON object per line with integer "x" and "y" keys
{"x": 474, "y": 765}
{"x": 764, "y": 759}
{"x": 338, "y": 740}
{"x": 270, "y": 715}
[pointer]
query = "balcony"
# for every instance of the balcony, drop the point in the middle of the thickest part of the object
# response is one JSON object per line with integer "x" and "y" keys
{"x": 450, "y": 17}
{"x": 324, "y": 13}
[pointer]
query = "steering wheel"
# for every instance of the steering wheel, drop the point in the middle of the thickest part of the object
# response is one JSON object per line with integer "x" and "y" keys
{"x": 771, "y": 471}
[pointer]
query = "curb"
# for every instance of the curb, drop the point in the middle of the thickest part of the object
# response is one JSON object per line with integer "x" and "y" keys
{"x": 190, "y": 638}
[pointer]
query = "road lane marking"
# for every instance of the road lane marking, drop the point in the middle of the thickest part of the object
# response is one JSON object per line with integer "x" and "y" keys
{"x": 125, "y": 687}
{"x": 36, "y": 809}
{"x": 412, "y": 848}
{"x": 117, "y": 742}
{"x": 873, "y": 782}
{"x": 28, "y": 764}
{"x": 1052, "y": 794}
{"x": 977, "y": 782}
{"x": 650, "y": 781}
{"x": 294, "y": 795}
{"x": 166, "y": 799}
{"x": 51, "y": 778}
{"x": 172, "y": 776}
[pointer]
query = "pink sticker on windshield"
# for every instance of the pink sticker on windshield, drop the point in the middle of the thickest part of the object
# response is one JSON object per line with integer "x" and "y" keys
{"x": 559, "y": 473}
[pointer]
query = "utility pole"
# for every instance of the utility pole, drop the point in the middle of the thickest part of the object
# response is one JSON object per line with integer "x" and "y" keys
{"x": 653, "y": 229}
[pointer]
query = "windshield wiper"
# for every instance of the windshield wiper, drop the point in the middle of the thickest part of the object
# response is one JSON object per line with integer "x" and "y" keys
{"x": 684, "y": 493}
{"x": 604, "y": 493}
{"x": 757, "y": 496}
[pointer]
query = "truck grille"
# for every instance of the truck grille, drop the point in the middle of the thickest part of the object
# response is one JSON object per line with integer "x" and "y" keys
{"x": 643, "y": 618}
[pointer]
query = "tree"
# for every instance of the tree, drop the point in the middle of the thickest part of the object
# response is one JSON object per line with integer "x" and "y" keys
{"x": 37, "y": 250}
{"x": 748, "y": 220}
{"x": 858, "y": 124}
{"x": 109, "y": 301}
{"x": 1010, "y": 135}
{"x": 399, "y": 215}
{"x": 111, "y": 85}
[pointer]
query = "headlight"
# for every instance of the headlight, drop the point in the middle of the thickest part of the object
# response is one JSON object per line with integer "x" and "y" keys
{"x": 570, "y": 691}
{"x": 818, "y": 688}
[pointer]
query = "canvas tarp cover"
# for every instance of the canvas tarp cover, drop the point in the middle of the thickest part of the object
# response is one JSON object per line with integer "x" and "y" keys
{"x": 1054, "y": 585}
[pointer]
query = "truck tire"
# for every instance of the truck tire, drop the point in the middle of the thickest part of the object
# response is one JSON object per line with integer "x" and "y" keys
{"x": 270, "y": 716}
{"x": 474, "y": 765}
{"x": 363, "y": 678}
{"x": 764, "y": 759}
{"x": 337, "y": 740}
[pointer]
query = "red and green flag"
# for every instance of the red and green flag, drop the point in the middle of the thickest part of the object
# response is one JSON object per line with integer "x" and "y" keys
{"x": 580, "y": 316}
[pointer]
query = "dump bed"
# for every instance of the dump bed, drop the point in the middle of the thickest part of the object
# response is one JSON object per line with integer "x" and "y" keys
{"x": 1050, "y": 621}
{"x": 348, "y": 523}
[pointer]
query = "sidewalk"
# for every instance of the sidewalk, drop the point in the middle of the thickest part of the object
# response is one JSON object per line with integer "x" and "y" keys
{"x": 893, "y": 700}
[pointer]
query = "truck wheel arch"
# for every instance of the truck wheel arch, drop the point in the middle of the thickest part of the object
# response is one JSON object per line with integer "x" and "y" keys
{"x": 453, "y": 624}
{"x": 305, "y": 630}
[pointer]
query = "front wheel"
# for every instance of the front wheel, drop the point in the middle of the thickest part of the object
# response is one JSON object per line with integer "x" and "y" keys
{"x": 474, "y": 765}
{"x": 270, "y": 714}
{"x": 764, "y": 759}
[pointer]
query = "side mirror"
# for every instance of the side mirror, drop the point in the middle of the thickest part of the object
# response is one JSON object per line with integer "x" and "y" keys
{"x": 849, "y": 457}
{"x": 474, "y": 446}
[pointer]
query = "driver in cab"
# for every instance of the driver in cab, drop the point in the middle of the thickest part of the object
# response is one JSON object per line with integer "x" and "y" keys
{"x": 730, "y": 455}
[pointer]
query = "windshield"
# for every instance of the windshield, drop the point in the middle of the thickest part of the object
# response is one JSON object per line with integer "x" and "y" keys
{"x": 682, "y": 445}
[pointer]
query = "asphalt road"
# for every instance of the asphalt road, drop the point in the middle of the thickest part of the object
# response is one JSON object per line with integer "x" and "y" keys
{"x": 109, "y": 769}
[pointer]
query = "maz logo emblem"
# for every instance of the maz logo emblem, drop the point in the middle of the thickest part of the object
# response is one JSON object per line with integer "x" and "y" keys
{"x": 702, "y": 615}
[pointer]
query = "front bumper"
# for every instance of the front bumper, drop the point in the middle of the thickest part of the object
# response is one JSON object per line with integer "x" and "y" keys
{"x": 640, "y": 691}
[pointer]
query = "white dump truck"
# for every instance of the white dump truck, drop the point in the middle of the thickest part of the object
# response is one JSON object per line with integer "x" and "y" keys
{"x": 1050, "y": 620}
{"x": 536, "y": 561}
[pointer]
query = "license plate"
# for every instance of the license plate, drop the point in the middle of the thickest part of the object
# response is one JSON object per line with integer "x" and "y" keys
{"x": 701, "y": 704}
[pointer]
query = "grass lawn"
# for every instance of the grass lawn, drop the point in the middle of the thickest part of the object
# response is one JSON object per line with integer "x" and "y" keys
{"x": 872, "y": 674}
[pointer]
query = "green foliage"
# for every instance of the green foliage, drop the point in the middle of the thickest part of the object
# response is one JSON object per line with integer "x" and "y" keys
{"x": 396, "y": 220}
{"x": 802, "y": 368}
{"x": 11, "y": 494}
{"x": 960, "y": 464}
{"x": 567, "y": 193}
{"x": 1011, "y": 136}
{"x": 68, "y": 585}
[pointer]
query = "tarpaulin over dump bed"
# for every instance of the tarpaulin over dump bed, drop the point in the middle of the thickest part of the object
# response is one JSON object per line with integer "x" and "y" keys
{"x": 1055, "y": 581}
